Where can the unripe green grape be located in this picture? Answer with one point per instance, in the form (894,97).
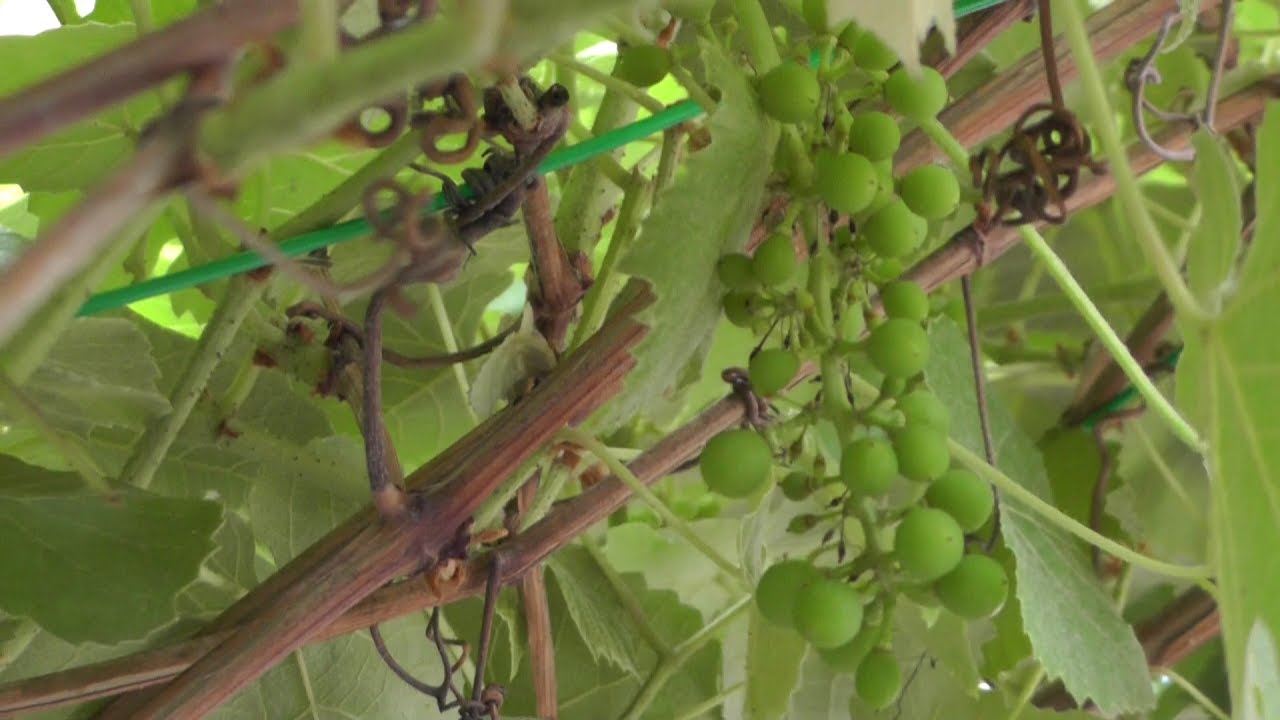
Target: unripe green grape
(874,135)
(775,260)
(642,65)
(976,588)
(898,348)
(922,452)
(778,587)
(917,98)
(886,270)
(796,486)
(708,506)
(847,657)
(878,679)
(684,507)
(644,515)
(801,524)
(771,369)
(739,308)
(847,182)
(828,613)
(921,407)
(892,231)
(931,191)
(928,544)
(734,270)
(905,299)
(964,496)
(868,466)
(870,53)
(736,463)
(790,92)
(815,14)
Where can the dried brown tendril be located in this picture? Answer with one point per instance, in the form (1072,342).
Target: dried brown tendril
(1030,177)
(460,115)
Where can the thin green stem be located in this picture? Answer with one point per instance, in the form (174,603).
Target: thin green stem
(140,469)
(1199,697)
(1110,340)
(1102,119)
(711,703)
(1024,697)
(24,409)
(65,12)
(697,93)
(318,41)
(608,281)
(616,84)
(638,488)
(143,17)
(955,152)
(671,663)
(435,299)
(1013,491)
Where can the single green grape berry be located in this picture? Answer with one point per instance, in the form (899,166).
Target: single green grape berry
(644,515)
(870,53)
(852,323)
(922,407)
(874,135)
(928,544)
(775,260)
(771,369)
(846,182)
(847,657)
(790,92)
(975,589)
(828,613)
(868,466)
(736,463)
(898,347)
(739,307)
(684,507)
(964,496)
(734,270)
(778,587)
(886,270)
(878,679)
(815,14)
(796,486)
(922,452)
(891,231)
(905,299)
(931,191)
(642,65)
(917,98)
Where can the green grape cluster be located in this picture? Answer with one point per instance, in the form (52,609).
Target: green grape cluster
(826,288)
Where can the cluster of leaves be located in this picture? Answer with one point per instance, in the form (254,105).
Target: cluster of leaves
(97,521)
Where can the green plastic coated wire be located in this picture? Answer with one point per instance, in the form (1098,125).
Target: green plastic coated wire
(309,242)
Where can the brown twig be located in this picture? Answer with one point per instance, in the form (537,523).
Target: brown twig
(207,37)
(977,32)
(982,114)
(537,614)
(364,554)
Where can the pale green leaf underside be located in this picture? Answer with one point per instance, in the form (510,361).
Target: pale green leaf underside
(1070,620)
(774,661)
(707,211)
(130,551)
(1261,694)
(1227,384)
(595,608)
(900,25)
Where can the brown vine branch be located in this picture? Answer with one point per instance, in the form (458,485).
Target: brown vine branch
(980,115)
(363,554)
(205,38)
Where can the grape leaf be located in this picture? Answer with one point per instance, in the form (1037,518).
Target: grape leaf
(1070,620)
(1261,693)
(596,609)
(901,25)
(1215,240)
(821,692)
(666,562)
(227,574)
(130,551)
(707,211)
(76,157)
(774,661)
(1225,386)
